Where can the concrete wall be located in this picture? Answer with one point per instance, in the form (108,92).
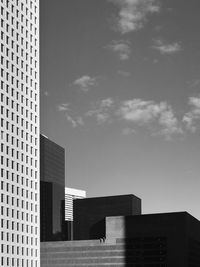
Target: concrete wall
(171,227)
(95,253)
(170,239)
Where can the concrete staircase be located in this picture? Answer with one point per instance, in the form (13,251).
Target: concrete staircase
(94,253)
(81,254)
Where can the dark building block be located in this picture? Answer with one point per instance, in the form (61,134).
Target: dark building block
(90,213)
(52,171)
(153,240)
(52,162)
(166,239)
(46,215)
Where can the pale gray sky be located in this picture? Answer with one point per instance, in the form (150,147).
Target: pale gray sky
(120,90)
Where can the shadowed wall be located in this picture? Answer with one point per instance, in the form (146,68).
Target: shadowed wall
(90,213)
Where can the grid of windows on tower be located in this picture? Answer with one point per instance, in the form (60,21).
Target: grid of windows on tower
(19,133)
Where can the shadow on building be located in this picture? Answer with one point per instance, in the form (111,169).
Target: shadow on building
(90,213)
(46,207)
(105,239)
(157,240)
(52,188)
(49,201)
(70,195)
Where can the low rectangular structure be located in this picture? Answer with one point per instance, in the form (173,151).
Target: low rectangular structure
(90,213)
(168,239)
(70,195)
(156,240)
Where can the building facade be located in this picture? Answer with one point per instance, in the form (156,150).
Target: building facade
(151,240)
(46,214)
(70,195)
(90,213)
(19,137)
(52,183)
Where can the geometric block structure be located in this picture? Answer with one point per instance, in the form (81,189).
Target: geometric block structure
(70,195)
(19,134)
(90,213)
(52,183)
(157,240)
(166,239)
(46,214)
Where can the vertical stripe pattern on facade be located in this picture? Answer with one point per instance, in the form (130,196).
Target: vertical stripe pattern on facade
(70,195)
(19,136)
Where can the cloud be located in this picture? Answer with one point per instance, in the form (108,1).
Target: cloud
(190,118)
(194,83)
(158,118)
(128,131)
(124,73)
(46,93)
(74,121)
(169,123)
(166,48)
(101,110)
(106,103)
(138,110)
(133,13)
(85,82)
(121,48)
(63,107)
(141,112)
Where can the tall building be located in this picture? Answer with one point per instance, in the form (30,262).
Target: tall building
(70,195)
(19,137)
(52,183)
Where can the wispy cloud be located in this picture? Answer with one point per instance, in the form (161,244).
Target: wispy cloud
(46,93)
(133,13)
(169,123)
(85,82)
(74,121)
(101,110)
(141,112)
(63,107)
(166,48)
(124,73)
(194,83)
(121,48)
(128,131)
(193,116)
(158,118)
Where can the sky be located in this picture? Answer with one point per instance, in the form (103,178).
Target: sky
(120,91)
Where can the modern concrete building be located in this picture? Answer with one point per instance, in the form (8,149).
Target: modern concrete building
(166,239)
(46,214)
(70,195)
(153,240)
(52,161)
(90,213)
(19,136)
(52,180)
